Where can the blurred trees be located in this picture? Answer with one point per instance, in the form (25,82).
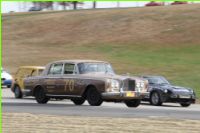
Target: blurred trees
(43,5)
(94,4)
(64,4)
(49,4)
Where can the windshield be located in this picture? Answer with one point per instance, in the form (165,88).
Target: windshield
(157,80)
(94,68)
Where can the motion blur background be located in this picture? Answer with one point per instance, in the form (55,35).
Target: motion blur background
(25,6)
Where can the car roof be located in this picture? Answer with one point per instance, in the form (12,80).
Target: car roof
(32,67)
(79,61)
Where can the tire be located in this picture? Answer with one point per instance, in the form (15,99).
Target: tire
(155,99)
(185,104)
(40,96)
(133,103)
(78,101)
(94,97)
(8,86)
(17,92)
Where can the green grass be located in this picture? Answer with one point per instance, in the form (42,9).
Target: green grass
(154,41)
(179,64)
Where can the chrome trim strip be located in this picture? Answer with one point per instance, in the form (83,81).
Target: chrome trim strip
(26,90)
(123,93)
(62,95)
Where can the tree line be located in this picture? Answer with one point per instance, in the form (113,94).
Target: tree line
(64,4)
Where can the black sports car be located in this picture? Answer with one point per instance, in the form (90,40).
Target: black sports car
(162,91)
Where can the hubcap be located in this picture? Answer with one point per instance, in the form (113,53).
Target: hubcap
(155,98)
(40,95)
(93,96)
(17,91)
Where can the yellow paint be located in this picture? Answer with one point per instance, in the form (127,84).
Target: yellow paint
(69,84)
(25,71)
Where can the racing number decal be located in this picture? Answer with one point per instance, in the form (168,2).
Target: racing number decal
(69,84)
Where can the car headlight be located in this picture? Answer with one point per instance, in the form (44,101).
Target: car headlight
(113,85)
(165,90)
(192,91)
(140,86)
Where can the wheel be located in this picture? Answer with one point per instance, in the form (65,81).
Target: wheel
(78,101)
(94,97)
(17,92)
(155,99)
(133,103)
(40,96)
(8,86)
(185,104)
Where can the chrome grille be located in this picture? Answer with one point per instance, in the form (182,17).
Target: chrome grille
(129,85)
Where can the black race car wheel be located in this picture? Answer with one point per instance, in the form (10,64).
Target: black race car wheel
(17,92)
(185,104)
(78,101)
(155,99)
(133,103)
(8,86)
(94,97)
(40,96)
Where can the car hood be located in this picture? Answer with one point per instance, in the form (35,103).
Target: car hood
(111,76)
(172,88)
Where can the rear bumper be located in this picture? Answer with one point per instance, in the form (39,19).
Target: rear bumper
(6,82)
(124,95)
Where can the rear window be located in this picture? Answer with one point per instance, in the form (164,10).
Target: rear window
(69,68)
(23,72)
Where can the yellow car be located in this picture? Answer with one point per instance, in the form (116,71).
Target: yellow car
(24,71)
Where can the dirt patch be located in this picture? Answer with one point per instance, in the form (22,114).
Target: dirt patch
(24,122)
(198,101)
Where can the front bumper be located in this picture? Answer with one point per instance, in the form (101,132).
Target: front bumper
(178,98)
(124,95)
(181,100)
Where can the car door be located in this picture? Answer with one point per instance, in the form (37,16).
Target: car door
(53,80)
(70,79)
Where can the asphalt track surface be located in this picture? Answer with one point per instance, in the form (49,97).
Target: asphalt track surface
(67,108)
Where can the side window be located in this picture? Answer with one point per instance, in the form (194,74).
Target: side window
(56,69)
(22,73)
(33,73)
(69,68)
(40,71)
